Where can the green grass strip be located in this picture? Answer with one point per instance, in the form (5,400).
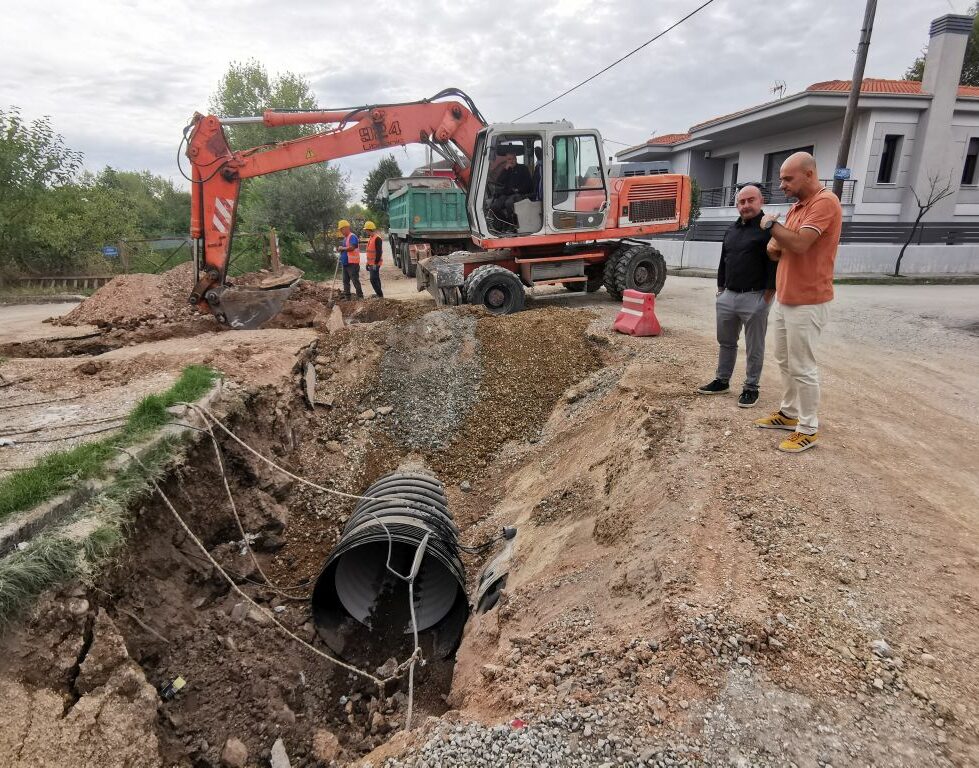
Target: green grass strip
(56,472)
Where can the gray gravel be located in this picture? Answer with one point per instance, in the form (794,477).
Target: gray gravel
(431,373)
(563,741)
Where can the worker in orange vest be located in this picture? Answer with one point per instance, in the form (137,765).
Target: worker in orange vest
(350,260)
(374,251)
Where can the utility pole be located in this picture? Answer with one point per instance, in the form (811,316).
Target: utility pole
(851,105)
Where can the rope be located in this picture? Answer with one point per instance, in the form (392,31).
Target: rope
(52,427)
(410,578)
(67,437)
(333,660)
(217,422)
(40,402)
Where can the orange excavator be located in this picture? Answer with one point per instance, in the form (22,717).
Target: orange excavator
(542,208)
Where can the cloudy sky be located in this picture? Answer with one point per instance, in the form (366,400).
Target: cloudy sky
(119,79)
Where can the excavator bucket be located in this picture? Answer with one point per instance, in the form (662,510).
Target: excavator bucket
(245,309)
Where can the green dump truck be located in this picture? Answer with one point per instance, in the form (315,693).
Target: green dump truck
(427,216)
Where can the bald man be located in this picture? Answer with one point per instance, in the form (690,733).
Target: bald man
(805,249)
(745,287)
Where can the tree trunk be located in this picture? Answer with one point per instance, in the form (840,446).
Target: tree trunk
(900,256)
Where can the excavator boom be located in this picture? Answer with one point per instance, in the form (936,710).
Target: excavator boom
(450,127)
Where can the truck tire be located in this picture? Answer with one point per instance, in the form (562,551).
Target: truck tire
(496,288)
(608,275)
(394,251)
(640,268)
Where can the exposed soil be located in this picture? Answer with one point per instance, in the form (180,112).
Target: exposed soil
(678,592)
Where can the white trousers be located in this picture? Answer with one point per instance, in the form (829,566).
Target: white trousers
(797,330)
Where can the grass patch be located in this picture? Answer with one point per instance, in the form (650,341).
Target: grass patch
(60,555)
(55,472)
(25,574)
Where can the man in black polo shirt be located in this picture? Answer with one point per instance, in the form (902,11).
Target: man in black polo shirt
(745,287)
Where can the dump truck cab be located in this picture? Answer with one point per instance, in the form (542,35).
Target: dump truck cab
(533,180)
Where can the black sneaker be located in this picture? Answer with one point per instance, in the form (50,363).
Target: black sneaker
(714,388)
(748,399)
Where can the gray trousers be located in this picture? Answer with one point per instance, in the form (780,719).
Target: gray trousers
(735,310)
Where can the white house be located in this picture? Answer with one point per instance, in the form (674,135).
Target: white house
(906,134)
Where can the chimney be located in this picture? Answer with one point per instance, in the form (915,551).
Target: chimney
(938,151)
(946,51)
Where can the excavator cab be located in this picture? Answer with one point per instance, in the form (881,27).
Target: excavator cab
(537,179)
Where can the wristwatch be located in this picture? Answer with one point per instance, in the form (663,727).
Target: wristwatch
(771,224)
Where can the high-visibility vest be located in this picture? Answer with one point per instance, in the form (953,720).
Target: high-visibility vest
(372,258)
(353,257)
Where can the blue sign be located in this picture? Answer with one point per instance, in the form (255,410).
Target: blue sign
(841,174)
(110,252)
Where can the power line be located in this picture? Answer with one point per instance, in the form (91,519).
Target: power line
(616,62)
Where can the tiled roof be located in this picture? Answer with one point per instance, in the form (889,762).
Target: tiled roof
(880,85)
(669,138)
(869,85)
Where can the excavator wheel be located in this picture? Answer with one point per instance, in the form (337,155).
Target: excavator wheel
(496,288)
(608,275)
(639,267)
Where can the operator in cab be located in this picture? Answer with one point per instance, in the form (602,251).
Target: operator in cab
(513,184)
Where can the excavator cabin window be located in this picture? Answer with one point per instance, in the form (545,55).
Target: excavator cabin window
(577,183)
(514,185)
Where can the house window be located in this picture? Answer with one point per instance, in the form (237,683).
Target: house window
(774,160)
(889,159)
(969,169)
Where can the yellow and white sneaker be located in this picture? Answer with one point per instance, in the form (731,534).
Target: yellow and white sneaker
(777,421)
(798,442)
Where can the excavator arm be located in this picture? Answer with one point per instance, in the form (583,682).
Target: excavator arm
(450,127)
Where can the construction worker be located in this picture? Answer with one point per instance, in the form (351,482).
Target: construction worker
(374,252)
(350,260)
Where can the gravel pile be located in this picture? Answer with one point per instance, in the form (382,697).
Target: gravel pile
(431,373)
(561,741)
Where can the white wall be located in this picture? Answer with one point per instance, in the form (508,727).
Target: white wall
(825,138)
(851,258)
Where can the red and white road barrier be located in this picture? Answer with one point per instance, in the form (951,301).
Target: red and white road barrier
(637,316)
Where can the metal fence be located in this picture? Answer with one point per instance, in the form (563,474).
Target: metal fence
(885,233)
(723,197)
(249,252)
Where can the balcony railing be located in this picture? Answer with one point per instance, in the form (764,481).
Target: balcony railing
(723,197)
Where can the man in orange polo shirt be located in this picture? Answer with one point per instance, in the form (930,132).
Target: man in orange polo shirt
(805,249)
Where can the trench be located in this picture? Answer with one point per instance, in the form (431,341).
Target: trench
(441,392)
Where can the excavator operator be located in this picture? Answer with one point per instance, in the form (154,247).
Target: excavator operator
(513,184)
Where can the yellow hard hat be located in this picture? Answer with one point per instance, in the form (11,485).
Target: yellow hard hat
(370,225)
(342,223)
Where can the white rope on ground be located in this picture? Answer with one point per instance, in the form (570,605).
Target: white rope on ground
(200,545)
(30,441)
(210,418)
(39,402)
(53,427)
(205,412)
(234,510)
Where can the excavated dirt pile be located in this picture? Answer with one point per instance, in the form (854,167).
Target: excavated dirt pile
(160,301)
(128,300)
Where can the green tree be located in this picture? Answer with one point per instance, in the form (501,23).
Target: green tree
(71,223)
(304,203)
(387,168)
(33,161)
(161,209)
(246,89)
(970,66)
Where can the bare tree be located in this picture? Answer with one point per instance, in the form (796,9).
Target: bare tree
(935,194)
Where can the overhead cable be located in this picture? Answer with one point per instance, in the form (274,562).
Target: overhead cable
(616,62)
